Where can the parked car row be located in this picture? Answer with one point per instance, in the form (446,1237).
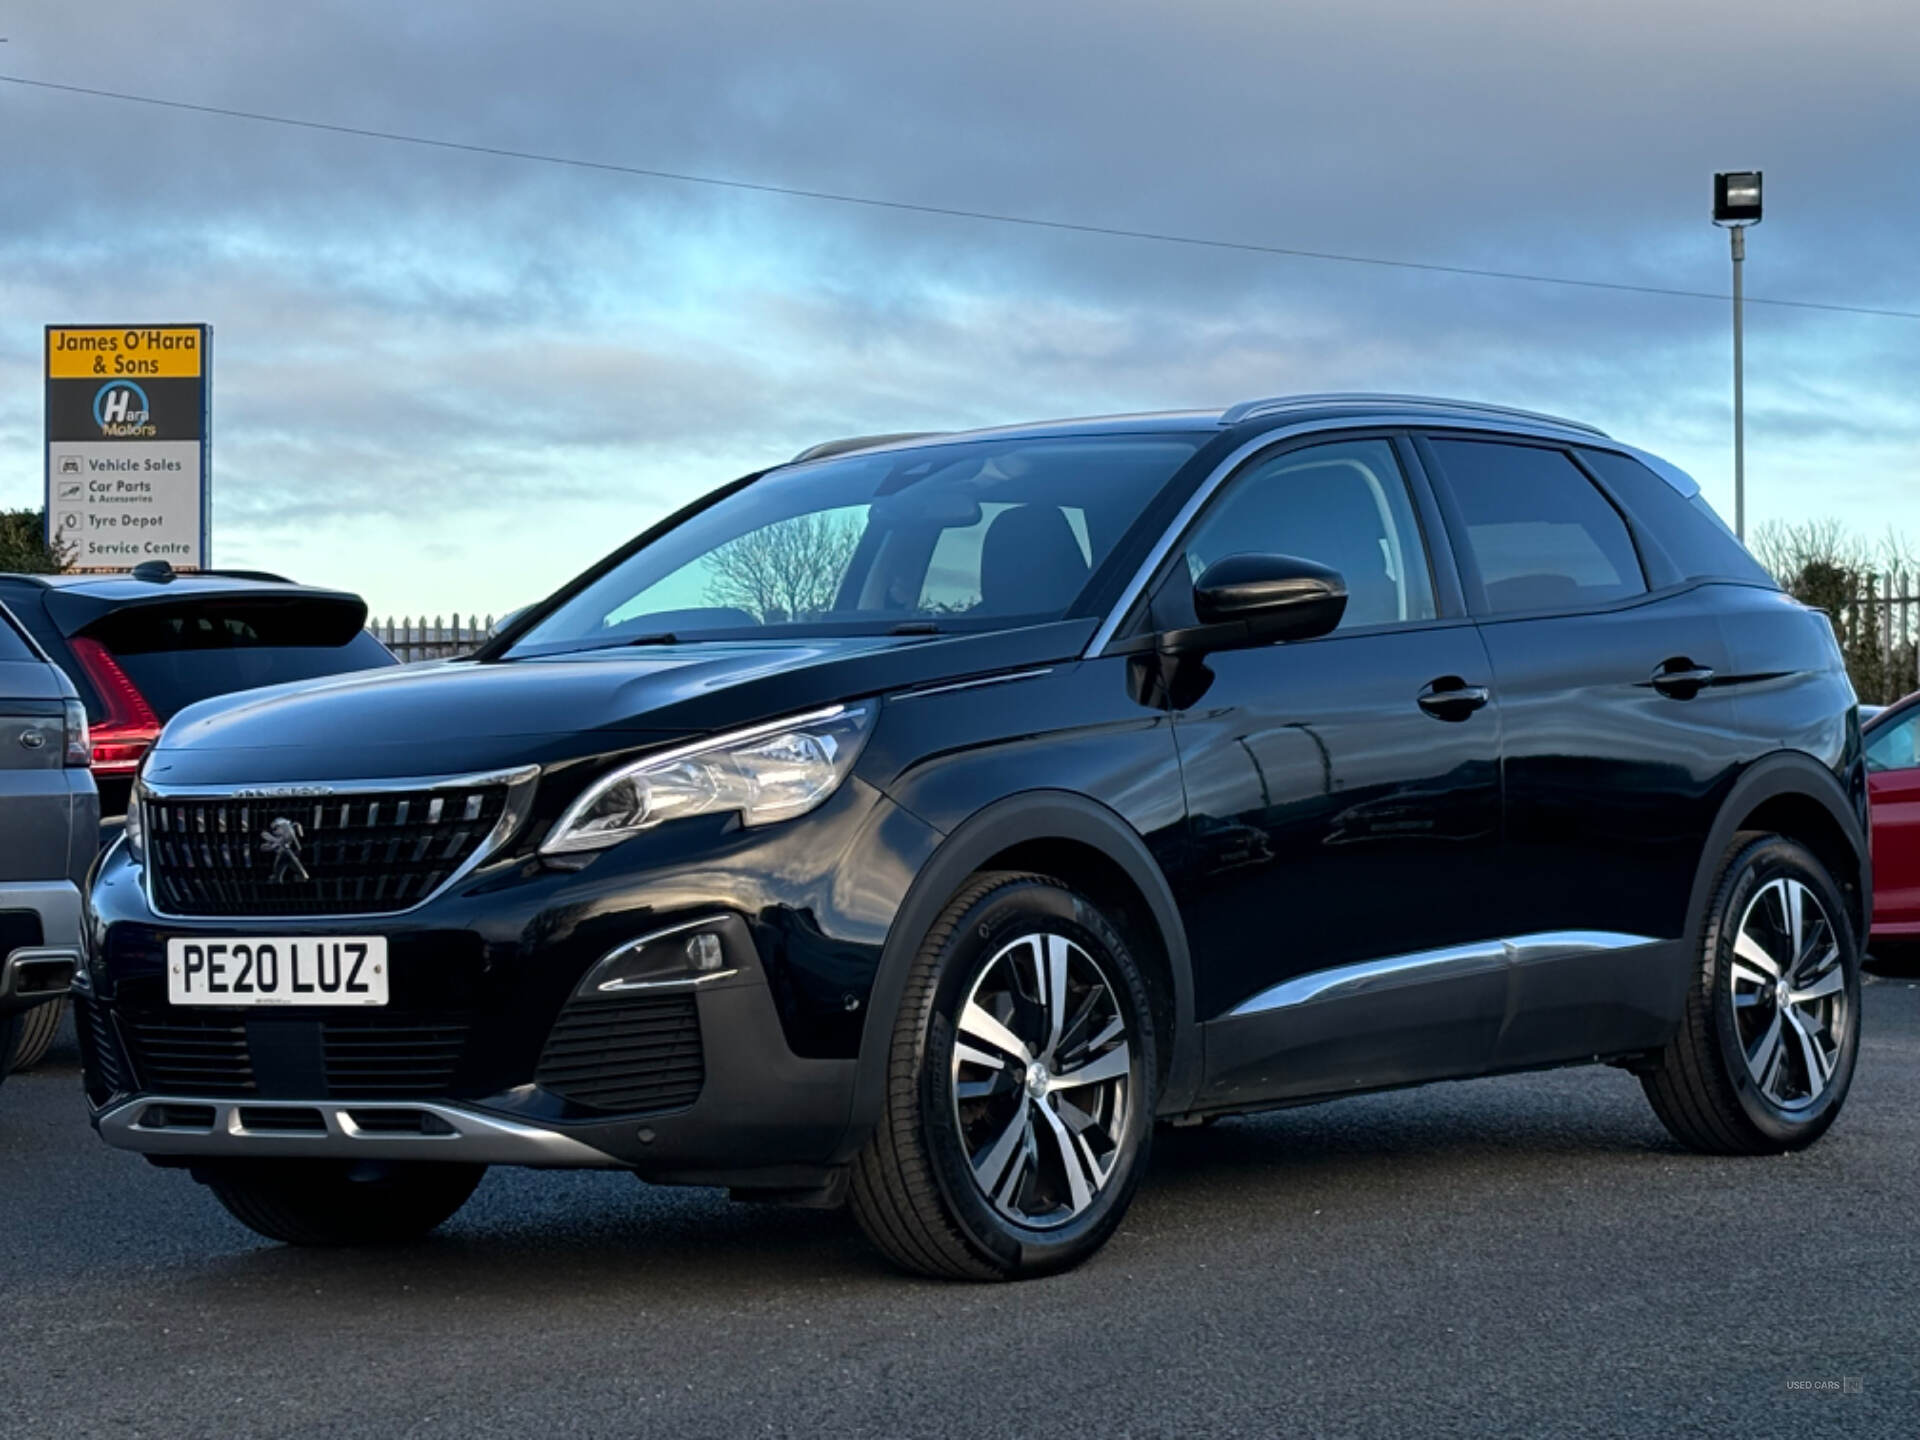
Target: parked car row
(132,651)
(1047,782)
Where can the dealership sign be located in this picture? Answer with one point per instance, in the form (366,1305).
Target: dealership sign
(127,444)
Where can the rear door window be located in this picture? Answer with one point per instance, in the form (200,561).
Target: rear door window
(1539,532)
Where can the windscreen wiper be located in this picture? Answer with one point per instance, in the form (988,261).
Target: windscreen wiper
(661,637)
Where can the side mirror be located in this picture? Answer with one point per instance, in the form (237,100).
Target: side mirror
(1245,600)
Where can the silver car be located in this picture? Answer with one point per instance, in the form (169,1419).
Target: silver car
(49,831)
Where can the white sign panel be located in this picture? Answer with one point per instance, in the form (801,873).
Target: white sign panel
(119,502)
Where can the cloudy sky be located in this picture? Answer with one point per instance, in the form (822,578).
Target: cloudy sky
(451,380)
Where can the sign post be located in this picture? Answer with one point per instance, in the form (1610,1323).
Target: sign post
(127,423)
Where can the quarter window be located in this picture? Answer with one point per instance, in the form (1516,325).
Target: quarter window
(1542,537)
(1343,505)
(1892,746)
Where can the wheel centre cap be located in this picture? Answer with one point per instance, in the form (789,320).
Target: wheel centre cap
(1039,1079)
(1782,993)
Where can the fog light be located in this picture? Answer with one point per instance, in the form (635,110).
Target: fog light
(703,951)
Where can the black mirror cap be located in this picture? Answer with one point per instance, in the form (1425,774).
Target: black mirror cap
(1252,599)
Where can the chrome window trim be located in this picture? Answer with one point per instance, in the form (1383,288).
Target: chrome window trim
(1565,434)
(1462,959)
(520,782)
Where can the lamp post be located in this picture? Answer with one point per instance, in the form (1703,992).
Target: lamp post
(1736,205)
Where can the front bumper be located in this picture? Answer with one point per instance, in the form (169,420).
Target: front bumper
(210,1130)
(502,1043)
(46,915)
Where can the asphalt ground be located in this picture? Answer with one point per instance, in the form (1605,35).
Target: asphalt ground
(1524,1255)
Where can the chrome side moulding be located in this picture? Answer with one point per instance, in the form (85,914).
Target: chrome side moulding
(1343,981)
(144,1125)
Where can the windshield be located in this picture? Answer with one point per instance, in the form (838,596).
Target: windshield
(974,535)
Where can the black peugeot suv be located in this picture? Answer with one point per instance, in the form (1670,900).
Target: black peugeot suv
(917,823)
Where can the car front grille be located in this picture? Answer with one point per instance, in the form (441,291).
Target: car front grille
(631,1053)
(341,1057)
(361,854)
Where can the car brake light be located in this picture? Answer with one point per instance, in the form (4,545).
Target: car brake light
(124,734)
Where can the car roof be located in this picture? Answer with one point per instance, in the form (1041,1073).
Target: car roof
(1273,411)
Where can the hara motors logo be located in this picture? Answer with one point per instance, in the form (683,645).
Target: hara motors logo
(121,411)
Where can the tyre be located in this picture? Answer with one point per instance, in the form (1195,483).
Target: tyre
(1020,1086)
(1765,1054)
(37,1028)
(336,1202)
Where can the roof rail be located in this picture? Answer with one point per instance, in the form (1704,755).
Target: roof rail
(1280,404)
(857,442)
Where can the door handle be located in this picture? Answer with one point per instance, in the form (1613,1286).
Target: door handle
(1681,679)
(1451,698)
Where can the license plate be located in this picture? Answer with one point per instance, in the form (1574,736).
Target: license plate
(277,970)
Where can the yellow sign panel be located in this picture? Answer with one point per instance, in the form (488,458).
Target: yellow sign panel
(87,352)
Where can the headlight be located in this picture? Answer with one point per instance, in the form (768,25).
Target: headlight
(771,772)
(136,831)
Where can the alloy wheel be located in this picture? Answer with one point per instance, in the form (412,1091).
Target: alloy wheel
(1789,993)
(1042,1074)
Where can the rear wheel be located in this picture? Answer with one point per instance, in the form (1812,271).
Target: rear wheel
(1019,1104)
(1765,1055)
(334,1202)
(37,1028)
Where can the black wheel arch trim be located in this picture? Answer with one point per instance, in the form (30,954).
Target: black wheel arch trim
(1015,820)
(1783,773)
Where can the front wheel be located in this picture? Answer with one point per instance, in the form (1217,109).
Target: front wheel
(335,1202)
(1020,1089)
(1765,1054)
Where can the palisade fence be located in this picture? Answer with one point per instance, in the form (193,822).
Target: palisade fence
(434,639)
(1877,632)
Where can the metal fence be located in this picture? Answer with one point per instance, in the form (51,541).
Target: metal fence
(434,639)
(1878,632)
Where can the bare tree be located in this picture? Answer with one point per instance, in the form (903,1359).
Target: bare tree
(1823,564)
(789,570)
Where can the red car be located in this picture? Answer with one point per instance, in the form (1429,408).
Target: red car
(1893,787)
